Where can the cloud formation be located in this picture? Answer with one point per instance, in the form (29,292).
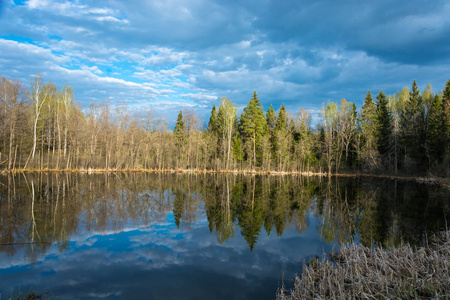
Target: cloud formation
(162,261)
(191,53)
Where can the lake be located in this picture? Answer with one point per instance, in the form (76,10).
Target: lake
(195,236)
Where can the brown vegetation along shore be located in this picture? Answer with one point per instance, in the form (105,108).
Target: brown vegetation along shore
(356,272)
(189,171)
(442,182)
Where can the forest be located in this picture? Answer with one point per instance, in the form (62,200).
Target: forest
(407,133)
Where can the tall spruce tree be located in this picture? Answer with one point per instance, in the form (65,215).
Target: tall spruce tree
(180,131)
(282,119)
(384,126)
(446,116)
(271,119)
(413,129)
(446,125)
(368,151)
(212,125)
(253,128)
(353,144)
(180,138)
(435,138)
(281,138)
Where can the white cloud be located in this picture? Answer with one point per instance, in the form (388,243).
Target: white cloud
(111,19)
(67,8)
(16,50)
(36,4)
(93,69)
(164,56)
(200,97)
(245,44)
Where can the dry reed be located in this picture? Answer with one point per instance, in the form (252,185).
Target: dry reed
(358,272)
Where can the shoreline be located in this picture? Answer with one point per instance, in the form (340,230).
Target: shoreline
(356,271)
(178,171)
(440,181)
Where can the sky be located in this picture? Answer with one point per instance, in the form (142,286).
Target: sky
(170,55)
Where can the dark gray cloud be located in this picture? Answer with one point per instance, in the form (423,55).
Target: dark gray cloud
(414,32)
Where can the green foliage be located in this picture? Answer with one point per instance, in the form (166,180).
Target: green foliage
(368,118)
(281,139)
(253,128)
(271,119)
(383,125)
(180,130)
(427,97)
(282,119)
(238,151)
(435,139)
(413,130)
(213,123)
(446,116)
(250,217)
(368,128)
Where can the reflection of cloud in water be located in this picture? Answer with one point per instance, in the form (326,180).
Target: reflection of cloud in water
(167,262)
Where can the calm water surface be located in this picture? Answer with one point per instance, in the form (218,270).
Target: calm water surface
(156,236)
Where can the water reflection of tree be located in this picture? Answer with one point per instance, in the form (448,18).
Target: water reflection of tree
(225,228)
(10,221)
(186,201)
(249,210)
(381,211)
(336,211)
(258,201)
(37,210)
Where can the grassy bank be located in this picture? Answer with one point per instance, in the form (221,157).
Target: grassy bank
(358,272)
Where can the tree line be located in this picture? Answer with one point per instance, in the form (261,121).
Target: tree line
(43,127)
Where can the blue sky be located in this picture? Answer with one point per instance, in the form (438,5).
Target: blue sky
(169,55)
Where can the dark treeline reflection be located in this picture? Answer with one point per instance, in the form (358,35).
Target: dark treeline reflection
(39,210)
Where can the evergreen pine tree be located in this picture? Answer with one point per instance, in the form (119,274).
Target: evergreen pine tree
(446,116)
(435,139)
(253,128)
(368,126)
(415,99)
(212,125)
(180,131)
(352,154)
(271,119)
(220,121)
(282,119)
(280,141)
(383,125)
(413,133)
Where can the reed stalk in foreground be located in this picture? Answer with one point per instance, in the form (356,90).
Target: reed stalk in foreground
(358,272)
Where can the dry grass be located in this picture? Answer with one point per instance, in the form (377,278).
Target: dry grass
(178,171)
(358,272)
